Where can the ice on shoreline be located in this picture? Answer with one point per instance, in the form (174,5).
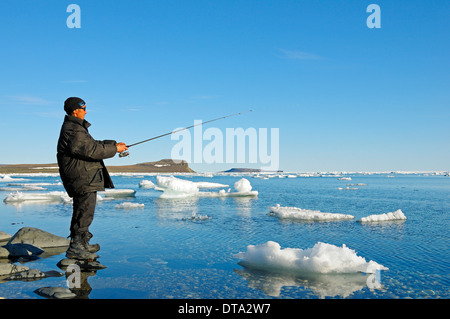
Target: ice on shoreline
(8,178)
(173,187)
(322,258)
(305,214)
(392,216)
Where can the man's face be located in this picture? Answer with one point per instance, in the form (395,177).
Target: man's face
(80,113)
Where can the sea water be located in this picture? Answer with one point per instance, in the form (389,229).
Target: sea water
(240,235)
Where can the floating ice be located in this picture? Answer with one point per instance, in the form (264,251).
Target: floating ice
(128,205)
(36,197)
(322,258)
(8,178)
(118,192)
(23,188)
(33,184)
(397,215)
(173,187)
(146,184)
(197,217)
(243,185)
(305,214)
(209,185)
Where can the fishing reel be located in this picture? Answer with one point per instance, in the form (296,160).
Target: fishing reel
(124,154)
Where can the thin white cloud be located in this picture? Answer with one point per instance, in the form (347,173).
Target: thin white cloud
(299,55)
(134,108)
(29,100)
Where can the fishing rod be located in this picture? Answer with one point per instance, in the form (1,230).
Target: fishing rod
(124,154)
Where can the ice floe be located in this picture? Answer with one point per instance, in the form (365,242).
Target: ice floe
(146,184)
(243,185)
(323,258)
(48,197)
(209,185)
(305,214)
(128,205)
(173,187)
(197,217)
(55,196)
(392,216)
(118,192)
(8,178)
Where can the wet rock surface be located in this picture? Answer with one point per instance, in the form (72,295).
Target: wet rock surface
(32,244)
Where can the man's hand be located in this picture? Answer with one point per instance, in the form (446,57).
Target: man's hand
(121,147)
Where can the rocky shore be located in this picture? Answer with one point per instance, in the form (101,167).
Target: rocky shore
(30,243)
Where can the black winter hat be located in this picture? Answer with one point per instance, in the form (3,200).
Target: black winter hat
(72,103)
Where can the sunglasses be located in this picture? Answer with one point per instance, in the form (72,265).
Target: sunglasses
(82,105)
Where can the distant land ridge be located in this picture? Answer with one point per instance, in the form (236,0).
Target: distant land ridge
(162,166)
(249,170)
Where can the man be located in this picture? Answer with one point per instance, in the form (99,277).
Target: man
(83,173)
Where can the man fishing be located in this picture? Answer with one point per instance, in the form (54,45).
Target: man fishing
(83,173)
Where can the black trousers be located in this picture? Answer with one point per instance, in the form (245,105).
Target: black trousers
(83,213)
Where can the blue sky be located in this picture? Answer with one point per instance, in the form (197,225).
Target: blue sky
(344,97)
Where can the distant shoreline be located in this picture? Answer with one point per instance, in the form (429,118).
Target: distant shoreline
(162,166)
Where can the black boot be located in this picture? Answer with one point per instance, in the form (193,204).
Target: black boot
(77,249)
(91,248)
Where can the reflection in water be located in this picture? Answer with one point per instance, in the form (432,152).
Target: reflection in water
(244,205)
(176,208)
(78,283)
(77,274)
(322,285)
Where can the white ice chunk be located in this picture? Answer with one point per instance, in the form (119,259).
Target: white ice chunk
(8,178)
(243,185)
(209,185)
(146,184)
(35,197)
(118,192)
(173,187)
(128,205)
(397,215)
(305,214)
(322,258)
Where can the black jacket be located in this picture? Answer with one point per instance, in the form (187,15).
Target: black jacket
(80,158)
